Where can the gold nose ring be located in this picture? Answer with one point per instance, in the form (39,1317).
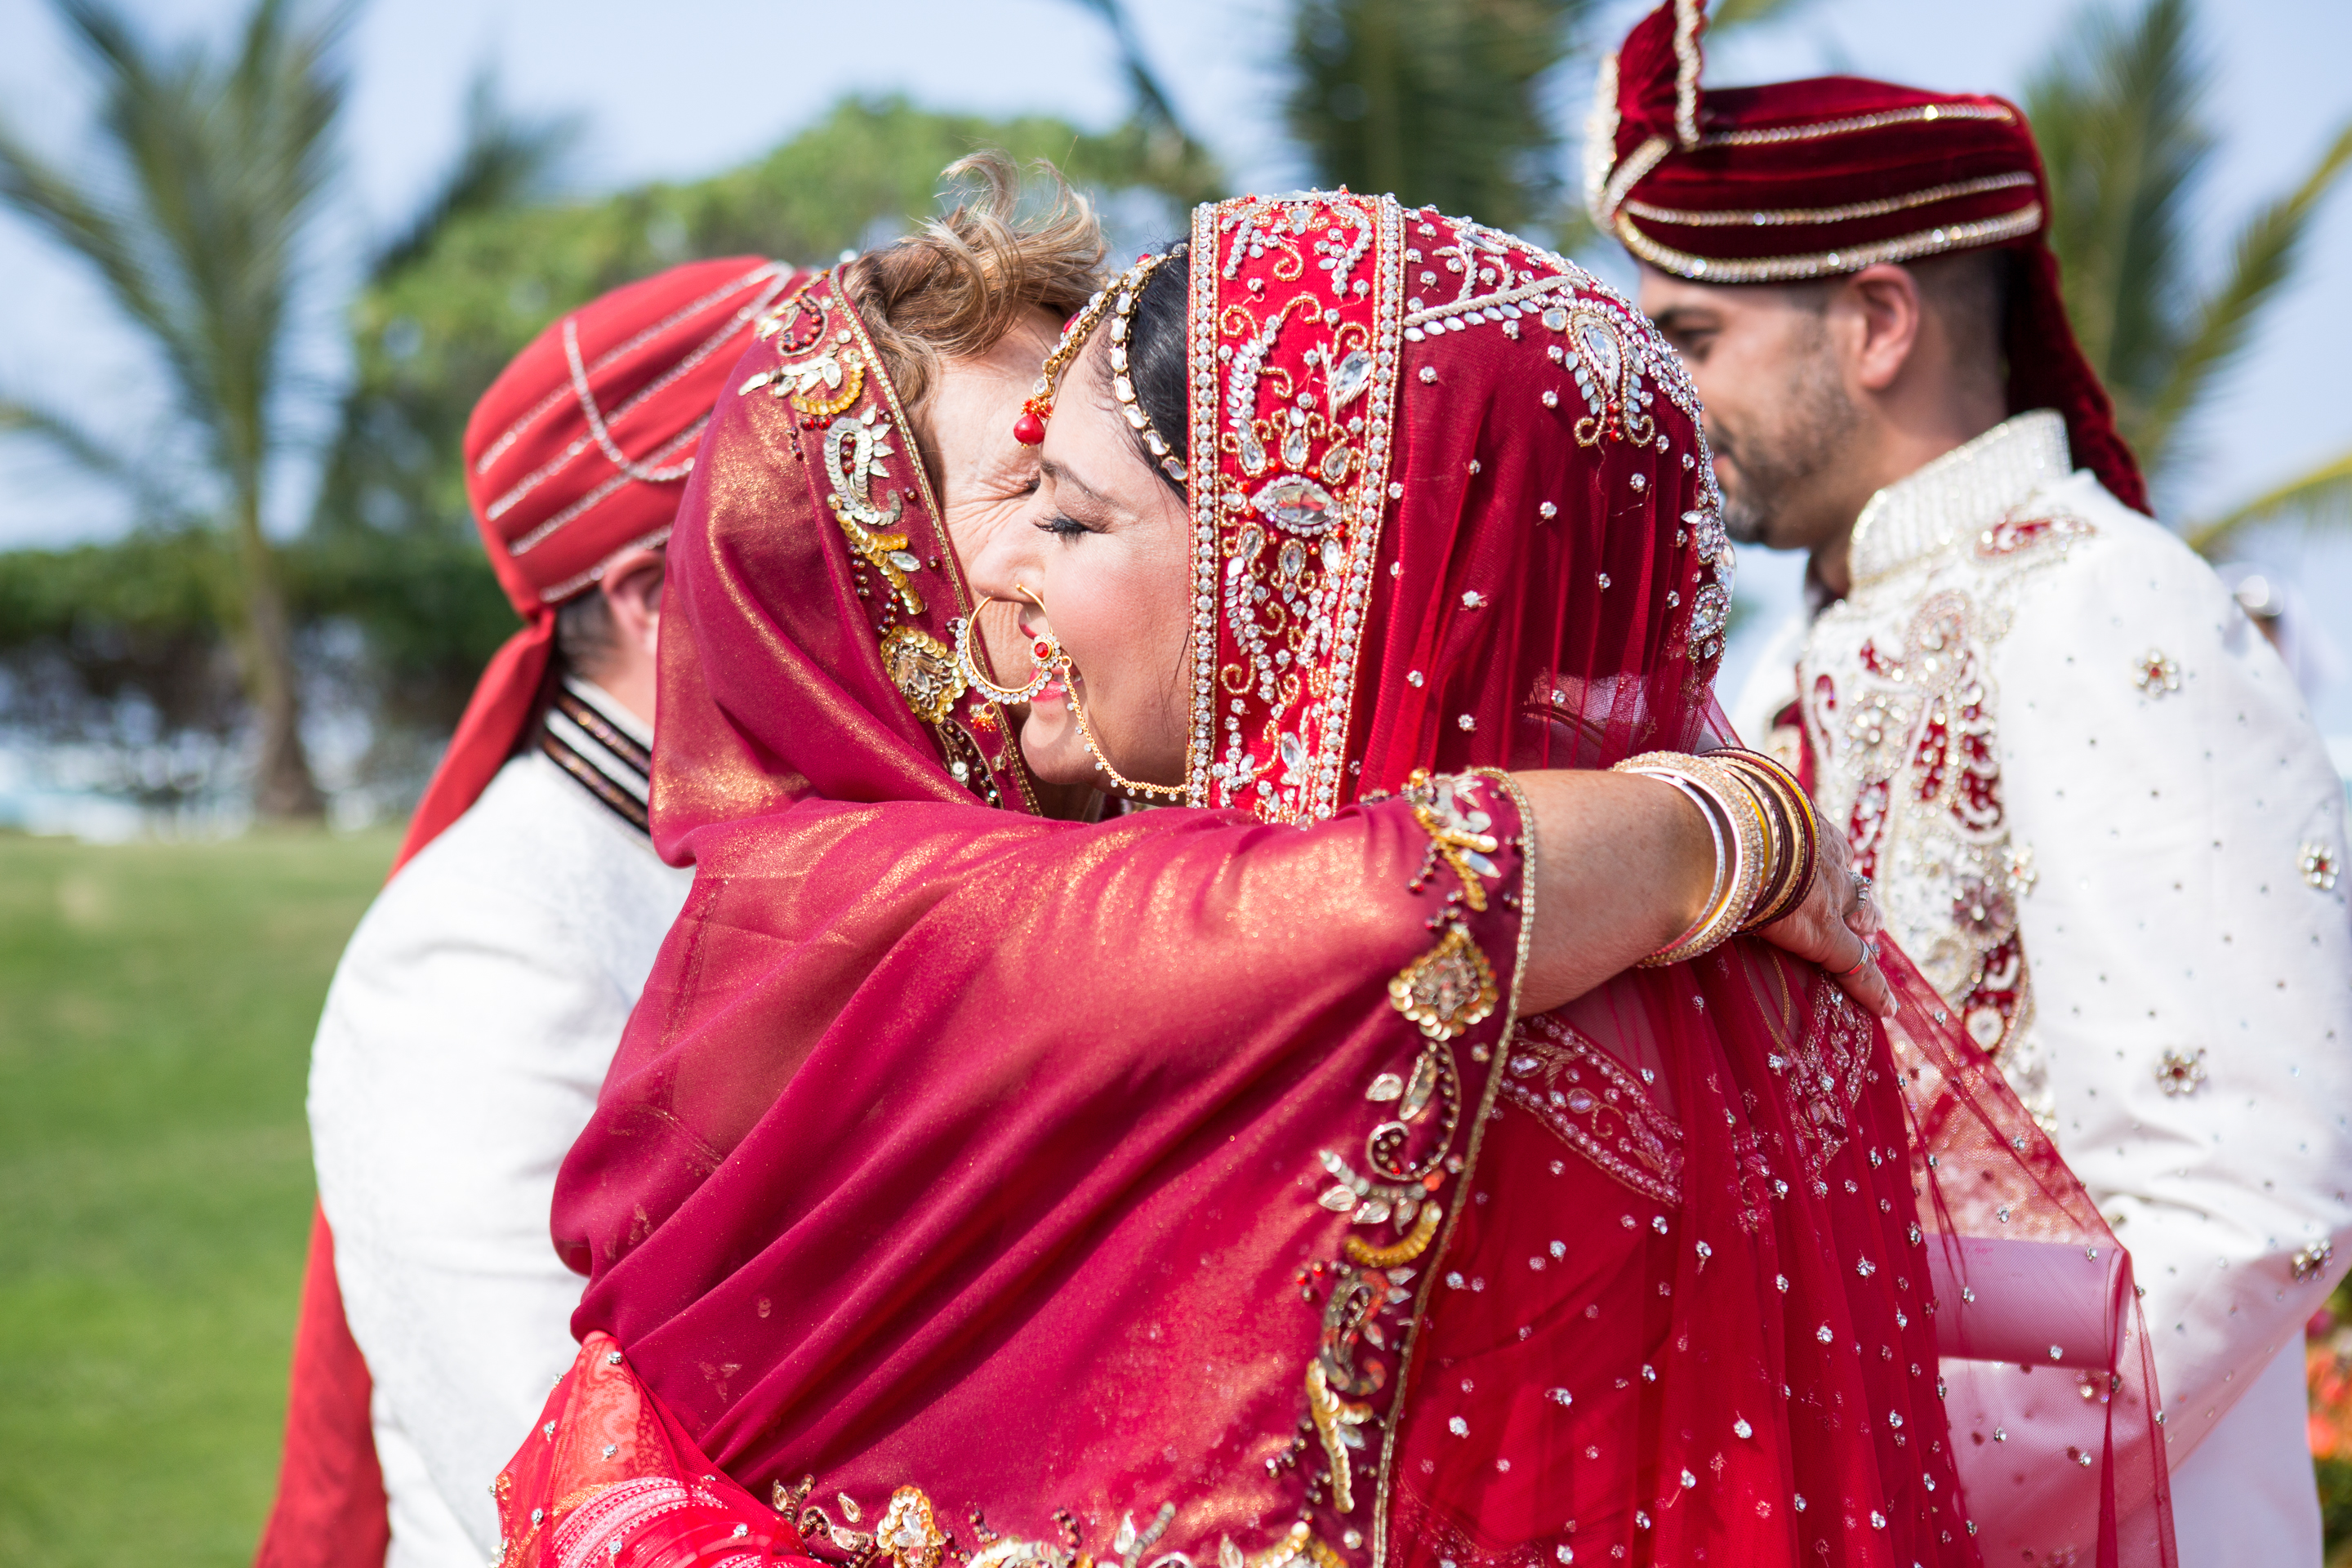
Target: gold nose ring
(1043,648)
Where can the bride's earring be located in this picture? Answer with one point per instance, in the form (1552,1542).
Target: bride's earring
(1043,648)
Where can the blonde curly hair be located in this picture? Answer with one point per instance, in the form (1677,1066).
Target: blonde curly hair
(955,286)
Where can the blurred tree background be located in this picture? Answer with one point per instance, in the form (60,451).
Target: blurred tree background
(193,203)
(129,650)
(141,649)
(2121,113)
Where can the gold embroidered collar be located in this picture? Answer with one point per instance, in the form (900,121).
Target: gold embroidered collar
(1960,493)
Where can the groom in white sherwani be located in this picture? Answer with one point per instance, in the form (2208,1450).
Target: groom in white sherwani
(2098,814)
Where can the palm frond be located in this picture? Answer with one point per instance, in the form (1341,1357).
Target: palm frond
(65,438)
(83,221)
(2261,263)
(196,207)
(2118,114)
(91,456)
(1152,103)
(225,167)
(1181,163)
(1728,15)
(1439,101)
(2321,498)
(503,160)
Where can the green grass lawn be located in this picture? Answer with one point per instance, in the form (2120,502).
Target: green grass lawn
(156,1005)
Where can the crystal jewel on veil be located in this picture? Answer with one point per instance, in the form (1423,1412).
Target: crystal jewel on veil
(1348,379)
(1298,504)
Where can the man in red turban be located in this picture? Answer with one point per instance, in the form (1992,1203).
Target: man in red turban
(473,1016)
(2099,816)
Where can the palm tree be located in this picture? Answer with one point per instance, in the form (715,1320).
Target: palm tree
(1447,101)
(1436,100)
(197,219)
(1154,143)
(2119,115)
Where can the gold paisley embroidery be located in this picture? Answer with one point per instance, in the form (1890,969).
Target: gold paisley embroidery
(1447,989)
(923,671)
(851,454)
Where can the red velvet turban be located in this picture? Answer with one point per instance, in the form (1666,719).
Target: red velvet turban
(577,452)
(1810,179)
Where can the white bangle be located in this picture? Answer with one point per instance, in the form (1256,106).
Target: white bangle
(1714,905)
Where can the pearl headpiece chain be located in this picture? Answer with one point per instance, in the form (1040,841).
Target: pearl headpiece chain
(1118,300)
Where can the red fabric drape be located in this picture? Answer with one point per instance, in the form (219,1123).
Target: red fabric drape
(962,1158)
(330,1509)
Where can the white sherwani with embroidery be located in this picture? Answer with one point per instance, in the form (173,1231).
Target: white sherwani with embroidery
(2101,821)
(465,1039)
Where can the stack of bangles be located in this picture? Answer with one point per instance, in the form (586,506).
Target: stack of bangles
(1767,840)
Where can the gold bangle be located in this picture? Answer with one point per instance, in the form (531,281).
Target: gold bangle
(1803,823)
(1772,899)
(1764,850)
(1744,819)
(1715,831)
(1781,867)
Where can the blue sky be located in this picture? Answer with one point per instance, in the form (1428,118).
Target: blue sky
(689,87)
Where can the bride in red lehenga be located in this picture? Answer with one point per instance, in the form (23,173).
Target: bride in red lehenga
(1308,1177)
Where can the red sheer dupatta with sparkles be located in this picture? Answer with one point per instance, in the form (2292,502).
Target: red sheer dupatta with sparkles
(1183,1185)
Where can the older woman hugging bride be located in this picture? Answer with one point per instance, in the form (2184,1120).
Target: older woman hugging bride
(1393,1154)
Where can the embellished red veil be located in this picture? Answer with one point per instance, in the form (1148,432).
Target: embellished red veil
(1186,1188)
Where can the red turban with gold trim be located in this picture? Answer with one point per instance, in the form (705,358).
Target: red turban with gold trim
(578,452)
(1810,179)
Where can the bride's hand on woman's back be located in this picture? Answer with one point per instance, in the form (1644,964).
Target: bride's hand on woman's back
(1835,927)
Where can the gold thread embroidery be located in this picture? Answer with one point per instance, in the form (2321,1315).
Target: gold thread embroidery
(1767,135)
(1365,1255)
(1308,527)
(843,374)
(1686,69)
(1744,218)
(1336,1420)
(1447,989)
(1629,173)
(910,1532)
(1384,1489)
(1459,839)
(852,452)
(1787,269)
(923,671)
(966,761)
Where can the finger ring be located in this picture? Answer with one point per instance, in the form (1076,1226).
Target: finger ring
(1856,967)
(1860,885)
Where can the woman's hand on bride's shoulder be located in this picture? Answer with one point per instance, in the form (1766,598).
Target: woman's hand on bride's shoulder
(1836,927)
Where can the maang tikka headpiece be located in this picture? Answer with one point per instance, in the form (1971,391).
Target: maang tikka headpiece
(1119,300)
